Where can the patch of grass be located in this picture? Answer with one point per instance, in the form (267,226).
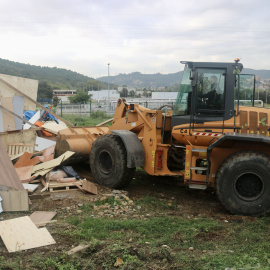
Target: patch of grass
(215,244)
(86,120)
(158,230)
(152,202)
(62,262)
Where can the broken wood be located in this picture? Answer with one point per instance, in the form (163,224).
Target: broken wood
(41,218)
(53,186)
(77,249)
(89,187)
(24,173)
(14,200)
(22,234)
(9,177)
(49,165)
(30,187)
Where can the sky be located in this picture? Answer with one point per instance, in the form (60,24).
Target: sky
(147,36)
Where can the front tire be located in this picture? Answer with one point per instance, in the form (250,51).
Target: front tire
(243,183)
(108,162)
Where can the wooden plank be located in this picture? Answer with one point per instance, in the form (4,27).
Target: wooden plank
(26,160)
(63,189)
(41,218)
(33,101)
(1,120)
(30,187)
(22,234)
(19,136)
(24,173)
(54,186)
(52,163)
(105,122)
(53,127)
(9,177)
(89,187)
(77,249)
(15,200)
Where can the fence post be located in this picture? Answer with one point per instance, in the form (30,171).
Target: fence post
(80,114)
(90,105)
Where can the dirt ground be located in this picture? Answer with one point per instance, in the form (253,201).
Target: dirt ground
(188,204)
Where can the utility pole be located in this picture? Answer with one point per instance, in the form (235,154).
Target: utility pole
(108,86)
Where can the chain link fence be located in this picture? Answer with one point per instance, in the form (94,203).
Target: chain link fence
(109,108)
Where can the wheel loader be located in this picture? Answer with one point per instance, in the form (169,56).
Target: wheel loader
(214,137)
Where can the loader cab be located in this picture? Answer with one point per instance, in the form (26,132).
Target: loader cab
(207,93)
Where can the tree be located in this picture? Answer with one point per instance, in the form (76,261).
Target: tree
(92,85)
(56,100)
(132,93)
(44,90)
(124,92)
(80,97)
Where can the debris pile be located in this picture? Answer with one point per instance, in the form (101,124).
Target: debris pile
(115,205)
(28,163)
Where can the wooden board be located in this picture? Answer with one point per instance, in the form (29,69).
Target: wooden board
(41,218)
(89,187)
(9,177)
(19,136)
(22,234)
(30,187)
(26,86)
(49,165)
(54,186)
(53,127)
(17,148)
(1,119)
(14,200)
(26,160)
(24,173)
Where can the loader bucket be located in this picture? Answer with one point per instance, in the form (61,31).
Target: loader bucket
(78,140)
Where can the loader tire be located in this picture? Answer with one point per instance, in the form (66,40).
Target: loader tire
(243,183)
(108,162)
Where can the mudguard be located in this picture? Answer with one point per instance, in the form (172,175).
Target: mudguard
(134,148)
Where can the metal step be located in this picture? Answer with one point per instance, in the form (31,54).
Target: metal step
(199,168)
(196,186)
(201,150)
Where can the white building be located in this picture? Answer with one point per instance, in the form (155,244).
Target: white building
(103,95)
(64,94)
(165,95)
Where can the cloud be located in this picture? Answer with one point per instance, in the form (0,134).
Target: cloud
(147,36)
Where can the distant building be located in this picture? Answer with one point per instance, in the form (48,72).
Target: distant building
(129,88)
(103,95)
(64,94)
(165,95)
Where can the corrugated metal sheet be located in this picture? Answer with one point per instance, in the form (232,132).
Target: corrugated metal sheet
(8,175)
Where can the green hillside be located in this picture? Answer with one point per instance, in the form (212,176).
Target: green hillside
(57,77)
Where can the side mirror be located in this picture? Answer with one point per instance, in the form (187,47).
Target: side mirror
(193,77)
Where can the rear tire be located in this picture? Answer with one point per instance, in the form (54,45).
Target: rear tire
(243,183)
(108,162)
